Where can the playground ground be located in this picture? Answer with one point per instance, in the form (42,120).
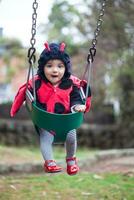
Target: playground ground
(104,175)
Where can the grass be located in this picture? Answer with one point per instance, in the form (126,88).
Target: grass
(61,186)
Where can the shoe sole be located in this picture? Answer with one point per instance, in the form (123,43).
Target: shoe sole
(53,171)
(72,174)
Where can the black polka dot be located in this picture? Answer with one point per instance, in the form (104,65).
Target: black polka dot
(59,108)
(41,105)
(65,84)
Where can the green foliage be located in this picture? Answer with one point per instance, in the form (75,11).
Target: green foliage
(14,43)
(126,84)
(12,49)
(64,21)
(122,86)
(118,40)
(12,46)
(117,29)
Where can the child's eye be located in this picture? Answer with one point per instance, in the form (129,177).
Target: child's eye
(61,66)
(48,65)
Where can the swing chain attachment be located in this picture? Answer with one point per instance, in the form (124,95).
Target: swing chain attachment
(92,50)
(31,51)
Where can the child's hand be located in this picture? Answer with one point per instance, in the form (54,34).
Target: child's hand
(80,108)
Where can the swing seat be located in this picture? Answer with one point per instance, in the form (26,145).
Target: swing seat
(60,124)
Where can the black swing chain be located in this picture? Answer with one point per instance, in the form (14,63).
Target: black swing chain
(32,50)
(92,50)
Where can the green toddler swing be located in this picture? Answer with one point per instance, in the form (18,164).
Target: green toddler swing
(60,124)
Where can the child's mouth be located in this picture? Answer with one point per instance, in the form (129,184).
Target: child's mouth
(54,76)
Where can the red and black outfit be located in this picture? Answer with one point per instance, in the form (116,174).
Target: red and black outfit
(53,99)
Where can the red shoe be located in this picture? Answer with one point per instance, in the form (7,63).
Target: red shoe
(72,169)
(51,169)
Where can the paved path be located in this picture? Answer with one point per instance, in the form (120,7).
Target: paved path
(115,165)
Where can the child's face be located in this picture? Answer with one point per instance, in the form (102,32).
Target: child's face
(54,71)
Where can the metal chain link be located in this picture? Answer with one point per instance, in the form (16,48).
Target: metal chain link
(92,50)
(32,50)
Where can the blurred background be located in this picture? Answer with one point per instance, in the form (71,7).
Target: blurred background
(110,124)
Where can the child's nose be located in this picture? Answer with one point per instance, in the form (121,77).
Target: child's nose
(55,68)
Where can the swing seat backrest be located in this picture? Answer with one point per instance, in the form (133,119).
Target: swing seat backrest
(59,124)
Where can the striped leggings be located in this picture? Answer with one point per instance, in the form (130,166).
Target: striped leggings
(46,141)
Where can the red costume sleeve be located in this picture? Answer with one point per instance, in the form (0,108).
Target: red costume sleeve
(20,97)
(18,100)
(88,104)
